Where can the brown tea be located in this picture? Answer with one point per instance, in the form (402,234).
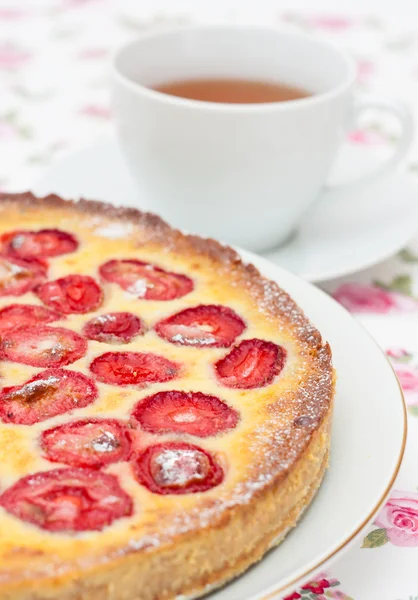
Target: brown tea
(232,91)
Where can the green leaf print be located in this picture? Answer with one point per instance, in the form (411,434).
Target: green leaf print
(375,539)
(401,284)
(413,167)
(408,256)
(404,359)
(413,410)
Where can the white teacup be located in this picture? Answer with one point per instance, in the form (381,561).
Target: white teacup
(244,173)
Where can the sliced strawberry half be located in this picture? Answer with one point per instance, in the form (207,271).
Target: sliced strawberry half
(184,412)
(146,281)
(177,468)
(114,328)
(48,394)
(133,368)
(42,346)
(204,325)
(45,243)
(251,364)
(17,315)
(90,443)
(68,500)
(17,277)
(73,294)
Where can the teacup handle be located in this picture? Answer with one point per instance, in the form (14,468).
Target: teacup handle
(404,115)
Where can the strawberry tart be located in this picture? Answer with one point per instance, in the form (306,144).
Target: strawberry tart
(165,411)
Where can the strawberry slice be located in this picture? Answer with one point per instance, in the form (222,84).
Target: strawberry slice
(177,468)
(114,328)
(17,315)
(48,394)
(45,243)
(68,500)
(42,346)
(252,364)
(204,325)
(73,294)
(146,281)
(184,412)
(133,368)
(17,277)
(90,443)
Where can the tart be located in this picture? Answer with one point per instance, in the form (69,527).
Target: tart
(165,411)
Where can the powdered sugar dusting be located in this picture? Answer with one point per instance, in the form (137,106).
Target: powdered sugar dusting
(115,230)
(104,319)
(185,416)
(139,288)
(9,270)
(17,241)
(107,442)
(29,390)
(193,341)
(178,467)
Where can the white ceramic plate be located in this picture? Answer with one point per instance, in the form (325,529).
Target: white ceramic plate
(343,232)
(369,434)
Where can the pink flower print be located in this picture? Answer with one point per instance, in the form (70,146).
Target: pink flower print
(11,57)
(398,354)
(76,3)
(317,587)
(362,298)
(10,13)
(93,53)
(400,518)
(7,131)
(365,68)
(334,23)
(93,110)
(365,137)
(323,584)
(408,378)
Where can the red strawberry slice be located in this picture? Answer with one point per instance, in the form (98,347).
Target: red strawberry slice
(74,294)
(42,346)
(90,443)
(38,244)
(204,325)
(68,500)
(184,412)
(133,368)
(146,281)
(252,364)
(114,328)
(48,394)
(17,315)
(177,468)
(17,277)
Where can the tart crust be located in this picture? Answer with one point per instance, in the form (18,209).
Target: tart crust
(274,459)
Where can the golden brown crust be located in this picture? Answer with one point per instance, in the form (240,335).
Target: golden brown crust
(288,446)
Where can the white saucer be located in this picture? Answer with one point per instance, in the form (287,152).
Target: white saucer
(344,231)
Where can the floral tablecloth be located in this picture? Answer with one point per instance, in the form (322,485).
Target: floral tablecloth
(54,61)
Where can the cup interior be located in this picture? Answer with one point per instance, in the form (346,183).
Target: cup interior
(256,53)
